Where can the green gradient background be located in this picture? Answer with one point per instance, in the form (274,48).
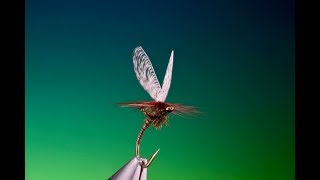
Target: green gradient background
(234,60)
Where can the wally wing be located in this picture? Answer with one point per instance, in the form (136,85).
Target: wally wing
(167,80)
(145,73)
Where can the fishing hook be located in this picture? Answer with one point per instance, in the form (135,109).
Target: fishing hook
(145,125)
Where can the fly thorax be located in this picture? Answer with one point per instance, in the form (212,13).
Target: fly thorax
(160,121)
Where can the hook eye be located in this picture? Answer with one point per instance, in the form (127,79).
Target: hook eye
(169,108)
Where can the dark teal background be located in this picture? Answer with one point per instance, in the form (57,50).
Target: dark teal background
(233,59)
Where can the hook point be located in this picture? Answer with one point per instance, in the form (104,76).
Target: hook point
(152,158)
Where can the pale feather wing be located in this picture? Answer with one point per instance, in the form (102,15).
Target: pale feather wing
(145,73)
(167,80)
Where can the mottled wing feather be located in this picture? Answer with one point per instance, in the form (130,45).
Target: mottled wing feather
(167,80)
(145,73)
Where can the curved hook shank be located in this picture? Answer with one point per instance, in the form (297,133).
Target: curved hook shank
(145,125)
